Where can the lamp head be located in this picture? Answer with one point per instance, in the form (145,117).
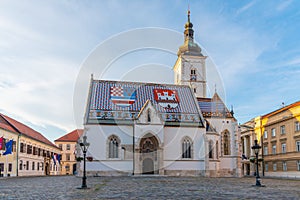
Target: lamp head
(255,147)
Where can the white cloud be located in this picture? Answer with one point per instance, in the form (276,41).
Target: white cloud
(42,45)
(245,7)
(284,4)
(294,61)
(40,91)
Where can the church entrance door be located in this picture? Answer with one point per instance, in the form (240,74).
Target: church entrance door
(149,154)
(148,166)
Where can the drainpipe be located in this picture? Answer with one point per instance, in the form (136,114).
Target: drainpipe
(133,146)
(18,148)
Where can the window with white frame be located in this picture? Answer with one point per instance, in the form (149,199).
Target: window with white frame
(284,167)
(67,167)
(273,132)
(265,150)
(274,166)
(265,134)
(282,129)
(298,165)
(297,126)
(274,149)
(283,148)
(266,167)
(298,146)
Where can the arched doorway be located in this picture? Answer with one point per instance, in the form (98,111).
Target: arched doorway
(149,154)
(74,169)
(148,166)
(47,170)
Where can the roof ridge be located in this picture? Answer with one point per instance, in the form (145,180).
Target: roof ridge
(69,136)
(140,83)
(42,137)
(281,109)
(11,125)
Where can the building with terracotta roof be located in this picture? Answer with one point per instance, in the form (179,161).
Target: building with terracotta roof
(278,133)
(164,129)
(31,151)
(67,145)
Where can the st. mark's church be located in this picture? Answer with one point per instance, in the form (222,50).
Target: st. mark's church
(165,129)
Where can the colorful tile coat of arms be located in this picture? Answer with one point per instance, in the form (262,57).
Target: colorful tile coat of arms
(123,96)
(166,98)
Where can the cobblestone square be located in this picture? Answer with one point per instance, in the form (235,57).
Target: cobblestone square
(146,187)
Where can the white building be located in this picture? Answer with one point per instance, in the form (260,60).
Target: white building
(146,128)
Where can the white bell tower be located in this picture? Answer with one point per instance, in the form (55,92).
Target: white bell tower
(189,68)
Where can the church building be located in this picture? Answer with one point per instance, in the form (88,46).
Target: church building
(166,129)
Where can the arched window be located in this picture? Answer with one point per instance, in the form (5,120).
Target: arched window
(186,148)
(113,147)
(193,76)
(226,143)
(148,115)
(217,149)
(210,149)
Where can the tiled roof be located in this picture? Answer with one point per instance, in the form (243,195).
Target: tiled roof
(5,125)
(104,106)
(213,107)
(71,137)
(282,109)
(17,127)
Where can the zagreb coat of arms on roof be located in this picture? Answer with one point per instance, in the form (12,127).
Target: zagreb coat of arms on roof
(166,98)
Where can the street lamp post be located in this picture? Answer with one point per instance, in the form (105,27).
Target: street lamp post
(84,145)
(256,148)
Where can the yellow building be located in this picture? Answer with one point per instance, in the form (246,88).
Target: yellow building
(67,145)
(278,133)
(31,152)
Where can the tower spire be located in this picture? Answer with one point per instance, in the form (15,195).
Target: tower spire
(189,32)
(189,46)
(189,13)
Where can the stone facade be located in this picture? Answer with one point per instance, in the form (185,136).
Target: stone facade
(278,133)
(31,151)
(162,129)
(68,144)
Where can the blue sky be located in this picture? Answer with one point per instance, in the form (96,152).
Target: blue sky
(254,45)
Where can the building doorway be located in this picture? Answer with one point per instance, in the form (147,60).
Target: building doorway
(149,154)
(47,169)
(74,169)
(148,166)
(247,169)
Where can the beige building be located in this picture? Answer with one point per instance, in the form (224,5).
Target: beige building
(279,135)
(31,151)
(67,145)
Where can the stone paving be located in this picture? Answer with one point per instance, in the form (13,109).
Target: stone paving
(146,187)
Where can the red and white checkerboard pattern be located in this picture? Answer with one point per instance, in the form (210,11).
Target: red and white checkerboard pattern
(116,91)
